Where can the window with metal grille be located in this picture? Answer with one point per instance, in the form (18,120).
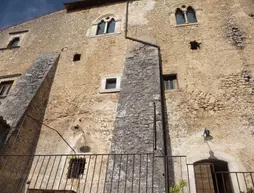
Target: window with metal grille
(5,87)
(76,167)
(170,81)
(111,83)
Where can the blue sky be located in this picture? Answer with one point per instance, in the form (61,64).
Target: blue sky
(16,11)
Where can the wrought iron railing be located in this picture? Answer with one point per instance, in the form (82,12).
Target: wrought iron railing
(241,181)
(94,173)
(114,173)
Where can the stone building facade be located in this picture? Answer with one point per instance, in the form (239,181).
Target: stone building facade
(135,77)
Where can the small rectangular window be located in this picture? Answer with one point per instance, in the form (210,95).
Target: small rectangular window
(111,83)
(76,167)
(5,87)
(170,82)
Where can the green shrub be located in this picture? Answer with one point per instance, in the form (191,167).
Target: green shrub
(176,188)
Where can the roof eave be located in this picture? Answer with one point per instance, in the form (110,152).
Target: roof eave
(84,4)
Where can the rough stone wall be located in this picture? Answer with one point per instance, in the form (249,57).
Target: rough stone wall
(248,6)
(28,98)
(215,81)
(75,98)
(135,113)
(138,115)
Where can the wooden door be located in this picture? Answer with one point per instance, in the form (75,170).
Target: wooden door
(204,178)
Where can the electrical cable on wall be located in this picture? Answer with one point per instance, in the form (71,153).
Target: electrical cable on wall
(53,130)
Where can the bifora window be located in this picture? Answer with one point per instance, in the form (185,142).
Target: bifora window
(107,25)
(5,87)
(185,16)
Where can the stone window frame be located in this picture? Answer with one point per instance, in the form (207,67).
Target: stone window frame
(13,35)
(107,18)
(175,81)
(9,78)
(184,10)
(104,82)
(7,82)
(16,39)
(173,16)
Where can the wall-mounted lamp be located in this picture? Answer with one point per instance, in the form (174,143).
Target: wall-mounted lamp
(207,134)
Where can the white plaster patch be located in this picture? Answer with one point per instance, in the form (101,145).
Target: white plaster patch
(140,8)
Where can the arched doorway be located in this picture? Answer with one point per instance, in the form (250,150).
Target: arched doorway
(212,176)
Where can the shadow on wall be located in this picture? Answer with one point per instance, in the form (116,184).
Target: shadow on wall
(4,130)
(171,173)
(14,170)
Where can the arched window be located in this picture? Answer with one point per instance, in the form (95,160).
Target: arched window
(14,42)
(106,25)
(101,27)
(111,26)
(191,15)
(180,17)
